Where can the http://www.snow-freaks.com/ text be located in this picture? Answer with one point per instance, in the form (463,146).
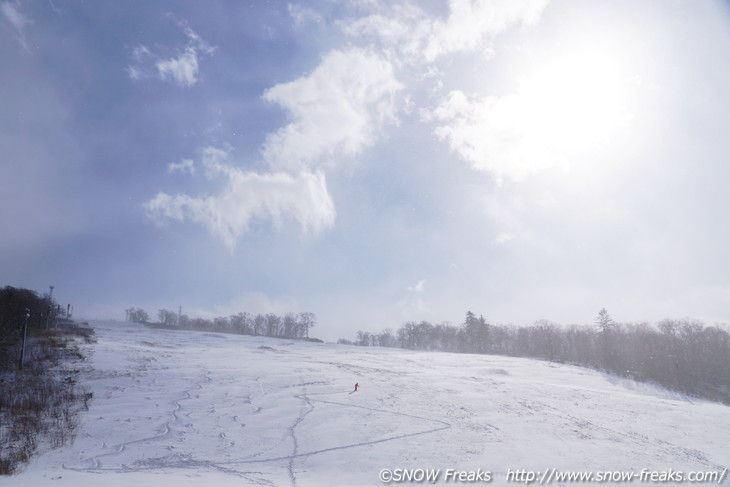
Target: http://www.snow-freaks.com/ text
(549,476)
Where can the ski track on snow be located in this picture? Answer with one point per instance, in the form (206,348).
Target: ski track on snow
(164,430)
(286,447)
(187,461)
(307,399)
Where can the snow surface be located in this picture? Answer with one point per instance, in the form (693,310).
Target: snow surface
(191,408)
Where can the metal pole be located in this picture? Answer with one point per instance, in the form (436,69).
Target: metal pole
(25,333)
(50,303)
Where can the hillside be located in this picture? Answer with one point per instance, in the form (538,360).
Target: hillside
(182,408)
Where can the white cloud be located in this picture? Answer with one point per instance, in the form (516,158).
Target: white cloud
(504,237)
(195,41)
(412,306)
(470,25)
(135,73)
(495,134)
(338,108)
(508,136)
(304,16)
(401,28)
(417,287)
(181,69)
(19,21)
(215,160)
(247,196)
(184,166)
(140,52)
(564,109)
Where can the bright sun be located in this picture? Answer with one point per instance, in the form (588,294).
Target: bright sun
(574,101)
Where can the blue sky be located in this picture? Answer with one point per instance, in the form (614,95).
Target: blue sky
(372,162)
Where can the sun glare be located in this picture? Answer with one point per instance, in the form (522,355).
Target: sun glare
(575,101)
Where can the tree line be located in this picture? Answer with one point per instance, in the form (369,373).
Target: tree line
(15,304)
(684,355)
(289,325)
(39,399)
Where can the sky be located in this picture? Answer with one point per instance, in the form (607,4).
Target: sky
(373,162)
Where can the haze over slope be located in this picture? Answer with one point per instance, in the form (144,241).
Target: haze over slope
(181,408)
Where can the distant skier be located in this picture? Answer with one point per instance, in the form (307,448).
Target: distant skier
(356,386)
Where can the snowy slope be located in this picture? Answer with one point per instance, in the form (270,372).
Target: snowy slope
(191,408)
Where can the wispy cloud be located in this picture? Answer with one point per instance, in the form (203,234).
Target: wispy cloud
(504,237)
(195,40)
(181,69)
(304,16)
(417,287)
(336,111)
(473,23)
(12,13)
(398,28)
(184,166)
(495,134)
(470,25)
(338,108)
(412,305)
(247,196)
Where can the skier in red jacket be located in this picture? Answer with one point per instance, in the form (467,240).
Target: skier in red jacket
(356,386)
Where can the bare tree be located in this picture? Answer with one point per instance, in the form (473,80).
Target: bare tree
(167,318)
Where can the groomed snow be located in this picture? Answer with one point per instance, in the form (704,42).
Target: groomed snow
(190,408)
